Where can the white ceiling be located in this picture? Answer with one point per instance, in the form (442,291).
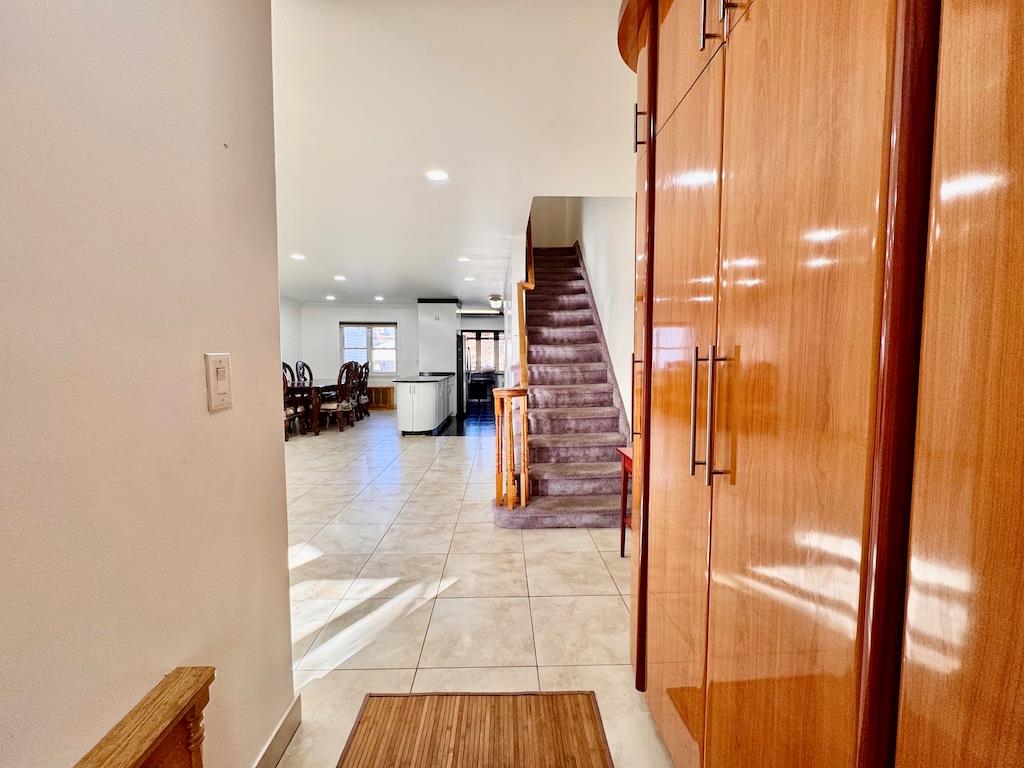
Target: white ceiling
(515,98)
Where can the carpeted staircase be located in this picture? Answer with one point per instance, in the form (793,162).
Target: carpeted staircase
(576,416)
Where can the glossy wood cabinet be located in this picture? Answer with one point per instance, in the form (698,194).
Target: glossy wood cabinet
(779,290)
(686,234)
(806,163)
(689,35)
(962,698)
(641,351)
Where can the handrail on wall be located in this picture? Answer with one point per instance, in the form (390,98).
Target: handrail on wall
(164,729)
(525,285)
(505,458)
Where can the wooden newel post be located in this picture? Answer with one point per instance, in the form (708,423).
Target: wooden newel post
(505,491)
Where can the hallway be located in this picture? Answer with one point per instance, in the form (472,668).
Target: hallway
(401,582)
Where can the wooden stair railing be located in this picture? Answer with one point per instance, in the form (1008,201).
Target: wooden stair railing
(505,460)
(505,491)
(164,730)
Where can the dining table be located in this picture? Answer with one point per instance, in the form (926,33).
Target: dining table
(313,389)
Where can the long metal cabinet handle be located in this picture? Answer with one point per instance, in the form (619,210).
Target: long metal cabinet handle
(709,462)
(636,129)
(703,24)
(694,462)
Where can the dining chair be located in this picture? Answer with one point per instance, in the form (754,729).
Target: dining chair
(362,391)
(295,408)
(343,405)
(303,371)
(289,372)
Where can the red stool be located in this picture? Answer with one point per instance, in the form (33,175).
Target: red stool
(625,515)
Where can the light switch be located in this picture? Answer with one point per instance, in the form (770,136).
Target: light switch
(218,380)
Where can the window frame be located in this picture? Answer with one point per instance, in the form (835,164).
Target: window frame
(370,349)
(475,338)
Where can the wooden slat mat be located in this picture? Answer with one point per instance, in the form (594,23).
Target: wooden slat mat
(464,730)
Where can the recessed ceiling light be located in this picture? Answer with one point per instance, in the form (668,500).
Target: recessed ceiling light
(465,259)
(329,298)
(438,175)
(378,298)
(469,279)
(298,257)
(340,278)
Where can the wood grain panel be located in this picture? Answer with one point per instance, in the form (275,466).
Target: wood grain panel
(687,199)
(962,698)
(680,58)
(806,167)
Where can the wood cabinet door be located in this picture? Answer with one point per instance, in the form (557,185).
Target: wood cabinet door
(687,192)
(638,607)
(962,696)
(681,56)
(805,168)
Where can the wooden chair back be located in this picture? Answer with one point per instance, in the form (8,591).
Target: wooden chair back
(289,373)
(303,371)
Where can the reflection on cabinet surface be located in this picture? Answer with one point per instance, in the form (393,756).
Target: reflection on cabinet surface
(962,698)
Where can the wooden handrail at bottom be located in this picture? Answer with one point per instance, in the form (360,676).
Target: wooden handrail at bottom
(165,729)
(505,455)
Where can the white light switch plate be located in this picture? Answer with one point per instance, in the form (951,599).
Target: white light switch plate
(218,380)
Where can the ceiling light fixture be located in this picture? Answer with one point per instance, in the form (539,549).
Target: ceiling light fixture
(329,298)
(495,300)
(438,175)
(469,279)
(378,298)
(298,257)
(464,259)
(476,311)
(340,278)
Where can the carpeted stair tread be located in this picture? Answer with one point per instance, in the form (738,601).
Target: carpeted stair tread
(575,439)
(570,366)
(571,388)
(592,511)
(580,469)
(598,412)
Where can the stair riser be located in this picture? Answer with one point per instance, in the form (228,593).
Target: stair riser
(515,519)
(548,426)
(568,376)
(578,335)
(575,486)
(573,454)
(556,302)
(560,319)
(558,276)
(565,354)
(556,262)
(570,399)
(557,289)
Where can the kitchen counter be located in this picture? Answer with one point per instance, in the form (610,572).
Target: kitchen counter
(421,379)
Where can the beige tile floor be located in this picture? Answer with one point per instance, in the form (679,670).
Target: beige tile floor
(400,582)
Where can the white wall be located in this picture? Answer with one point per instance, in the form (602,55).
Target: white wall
(483,323)
(291,331)
(555,221)
(607,226)
(138,531)
(321,335)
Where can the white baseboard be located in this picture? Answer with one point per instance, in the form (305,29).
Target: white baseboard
(282,737)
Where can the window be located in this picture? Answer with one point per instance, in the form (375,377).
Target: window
(485,350)
(376,343)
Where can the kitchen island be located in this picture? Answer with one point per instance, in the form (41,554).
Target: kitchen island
(424,402)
